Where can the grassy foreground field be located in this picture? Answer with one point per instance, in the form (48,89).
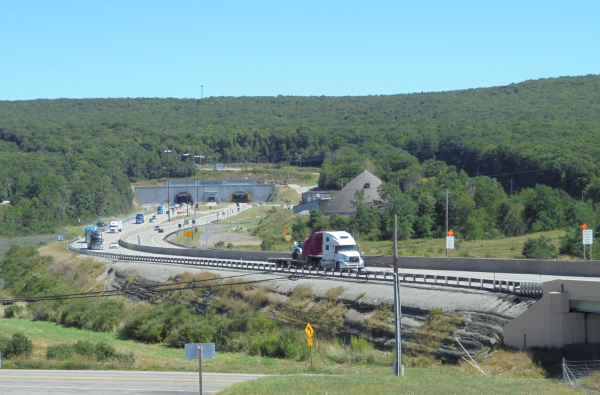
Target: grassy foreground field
(416,381)
(511,372)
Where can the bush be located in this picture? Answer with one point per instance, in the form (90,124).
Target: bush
(12,311)
(60,352)
(19,344)
(540,248)
(100,351)
(267,244)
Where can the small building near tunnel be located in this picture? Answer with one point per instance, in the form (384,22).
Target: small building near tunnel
(205,191)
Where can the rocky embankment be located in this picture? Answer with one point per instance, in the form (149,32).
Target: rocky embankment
(484,312)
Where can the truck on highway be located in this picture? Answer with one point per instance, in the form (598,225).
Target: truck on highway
(329,250)
(160,210)
(95,241)
(139,219)
(93,238)
(115,226)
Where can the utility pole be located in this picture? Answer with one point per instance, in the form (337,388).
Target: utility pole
(399,371)
(511,186)
(168,151)
(300,160)
(447,219)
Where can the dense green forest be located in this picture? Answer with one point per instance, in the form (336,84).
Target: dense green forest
(66,159)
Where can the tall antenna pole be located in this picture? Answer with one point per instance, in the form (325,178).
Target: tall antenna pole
(201,92)
(511,186)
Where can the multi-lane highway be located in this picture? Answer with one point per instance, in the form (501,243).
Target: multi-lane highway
(64,382)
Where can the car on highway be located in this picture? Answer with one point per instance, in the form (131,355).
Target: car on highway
(151,219)
(161,229)
(114,244)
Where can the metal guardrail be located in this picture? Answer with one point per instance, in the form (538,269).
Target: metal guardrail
(532,290)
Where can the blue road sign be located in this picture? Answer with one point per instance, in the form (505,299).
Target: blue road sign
(60,237)
(208,351)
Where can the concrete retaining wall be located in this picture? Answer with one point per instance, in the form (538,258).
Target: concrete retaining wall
(516,266)
(492,265)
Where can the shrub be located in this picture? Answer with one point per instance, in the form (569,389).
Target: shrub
(540,248)
(360,345)
(19,344)
(59,352)
(230,246)
(12,311)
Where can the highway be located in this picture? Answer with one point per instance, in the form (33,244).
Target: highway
(95,382)
(152,238)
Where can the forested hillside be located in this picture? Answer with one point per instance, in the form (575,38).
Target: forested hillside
(61,159)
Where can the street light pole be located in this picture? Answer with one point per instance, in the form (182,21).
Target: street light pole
(447,220)
(187,195)
(168,151)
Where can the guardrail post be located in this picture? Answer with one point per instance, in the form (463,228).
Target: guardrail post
(458,281)
(414,276)
(494,285)
(481,283)
(384,276)
(435,279)
(469,282)
(446,280)
(425,279)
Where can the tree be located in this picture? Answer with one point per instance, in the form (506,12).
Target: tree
(299,229)
(540,248)
(317,222)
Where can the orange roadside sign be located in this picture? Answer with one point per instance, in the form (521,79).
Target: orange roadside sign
(187,233)
(310,342)
(584,226)
(450,232)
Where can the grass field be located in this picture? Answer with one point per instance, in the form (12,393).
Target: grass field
(416,381)
(506,247)
(6,242)
(303,176)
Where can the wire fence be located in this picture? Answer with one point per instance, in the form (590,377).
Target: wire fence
(581,373)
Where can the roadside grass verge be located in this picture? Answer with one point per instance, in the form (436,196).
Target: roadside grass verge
(416,381)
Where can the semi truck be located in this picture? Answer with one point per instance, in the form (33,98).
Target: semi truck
(328,250)
(139,219)
(160,210)
(115,226)
(94,240)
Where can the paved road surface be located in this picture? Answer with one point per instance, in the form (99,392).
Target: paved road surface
(67,382)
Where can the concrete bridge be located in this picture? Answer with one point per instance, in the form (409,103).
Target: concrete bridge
(205,191)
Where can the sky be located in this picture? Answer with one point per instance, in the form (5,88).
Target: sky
(113,49)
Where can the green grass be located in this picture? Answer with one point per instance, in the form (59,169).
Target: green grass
(505,247)
(416,381)
(6,242)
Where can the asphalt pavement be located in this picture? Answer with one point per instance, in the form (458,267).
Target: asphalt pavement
(93,382)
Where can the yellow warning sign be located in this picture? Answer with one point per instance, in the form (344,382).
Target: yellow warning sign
(187,233)
(309,330)
(288,237)
(310,342)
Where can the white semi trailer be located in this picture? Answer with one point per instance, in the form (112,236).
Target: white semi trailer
(330,250)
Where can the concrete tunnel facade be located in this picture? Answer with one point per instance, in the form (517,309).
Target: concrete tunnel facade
(205,191)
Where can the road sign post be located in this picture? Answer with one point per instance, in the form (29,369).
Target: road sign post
(200,351)
(309,332)
(449,242)
(588,239)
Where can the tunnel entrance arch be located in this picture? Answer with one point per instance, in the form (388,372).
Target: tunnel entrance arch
(183,197)
(240,197)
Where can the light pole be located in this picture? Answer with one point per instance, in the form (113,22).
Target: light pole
(168,151)
(187,195)
(447,192)
(199,158)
